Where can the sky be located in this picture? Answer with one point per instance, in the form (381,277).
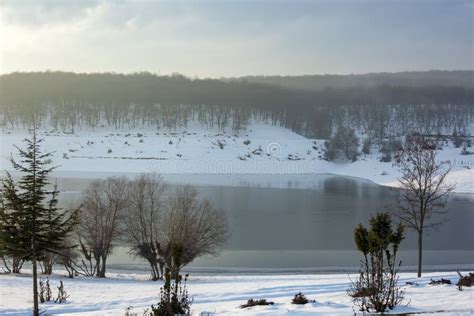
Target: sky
(236,38)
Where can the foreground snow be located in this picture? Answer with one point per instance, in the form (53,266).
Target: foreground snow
(222,294)
(192,155)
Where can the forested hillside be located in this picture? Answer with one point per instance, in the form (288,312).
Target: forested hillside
(68,101)
(456,78)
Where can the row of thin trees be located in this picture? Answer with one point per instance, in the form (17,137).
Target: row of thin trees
(69,101)
(143,215)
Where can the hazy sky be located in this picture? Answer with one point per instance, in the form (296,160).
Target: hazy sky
(234,38)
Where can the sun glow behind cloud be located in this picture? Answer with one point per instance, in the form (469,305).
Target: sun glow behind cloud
(236,38)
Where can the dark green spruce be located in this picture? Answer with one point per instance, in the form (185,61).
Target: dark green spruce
(31,223)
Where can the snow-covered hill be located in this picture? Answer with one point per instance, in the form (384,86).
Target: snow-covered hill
(192,155)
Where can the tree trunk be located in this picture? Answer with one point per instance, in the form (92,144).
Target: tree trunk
(155,273)
(162,268)
(98,267)
(48,267)
(17,265)
(101,271)
(35,289)
(420,252)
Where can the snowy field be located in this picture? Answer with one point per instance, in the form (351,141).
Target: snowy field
(223,294)
(193,154)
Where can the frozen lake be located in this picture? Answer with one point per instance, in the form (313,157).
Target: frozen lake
(308,229)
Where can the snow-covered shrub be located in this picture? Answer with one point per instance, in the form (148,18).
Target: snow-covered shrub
(376,288)
(457,140)
(440,281)
(344,144)
(299,299)
(45,291)
(259,302)
(220,143)
(366,145)
(258,151)
(465,280)
(109,151)
(62,294)
(388,148)
(465,151)
(247,142)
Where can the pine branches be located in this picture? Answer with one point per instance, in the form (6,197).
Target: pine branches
(32,226)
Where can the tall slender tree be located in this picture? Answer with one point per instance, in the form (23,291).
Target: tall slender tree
(31,224)
(424,190)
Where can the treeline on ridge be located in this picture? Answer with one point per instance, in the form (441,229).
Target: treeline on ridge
(445,78)
(69,101)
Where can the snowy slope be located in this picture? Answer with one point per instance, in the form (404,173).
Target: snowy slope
(199,152)
(222,294)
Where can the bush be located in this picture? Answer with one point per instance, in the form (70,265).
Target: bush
(440,281)
(330,152)
(376,288)
(299,299)
(465,280)
(366,145)
(45,291)
(174,298)
(62,294)
(457,140)
(221,144)
(388,148)
(466,152)
(252,302)
(344,144)
(247,142)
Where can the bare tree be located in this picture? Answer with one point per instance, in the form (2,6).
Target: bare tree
(422,199)
(11,264)
(194,224)
(103,204)
(68,257)
(142,220)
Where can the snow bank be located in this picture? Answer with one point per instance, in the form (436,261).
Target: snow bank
(222,294)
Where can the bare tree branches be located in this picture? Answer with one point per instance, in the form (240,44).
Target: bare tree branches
(142,220)
(424,190)
(103,204)
(137,213)
(195,224)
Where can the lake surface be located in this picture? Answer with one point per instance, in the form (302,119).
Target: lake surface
(311,229)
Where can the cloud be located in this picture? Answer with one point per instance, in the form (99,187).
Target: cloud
(38,13)
(230,38)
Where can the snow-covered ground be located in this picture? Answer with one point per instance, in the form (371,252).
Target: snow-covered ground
(222,294)
(192,155)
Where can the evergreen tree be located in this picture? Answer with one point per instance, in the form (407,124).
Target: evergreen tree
(31,225)
(376,288)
